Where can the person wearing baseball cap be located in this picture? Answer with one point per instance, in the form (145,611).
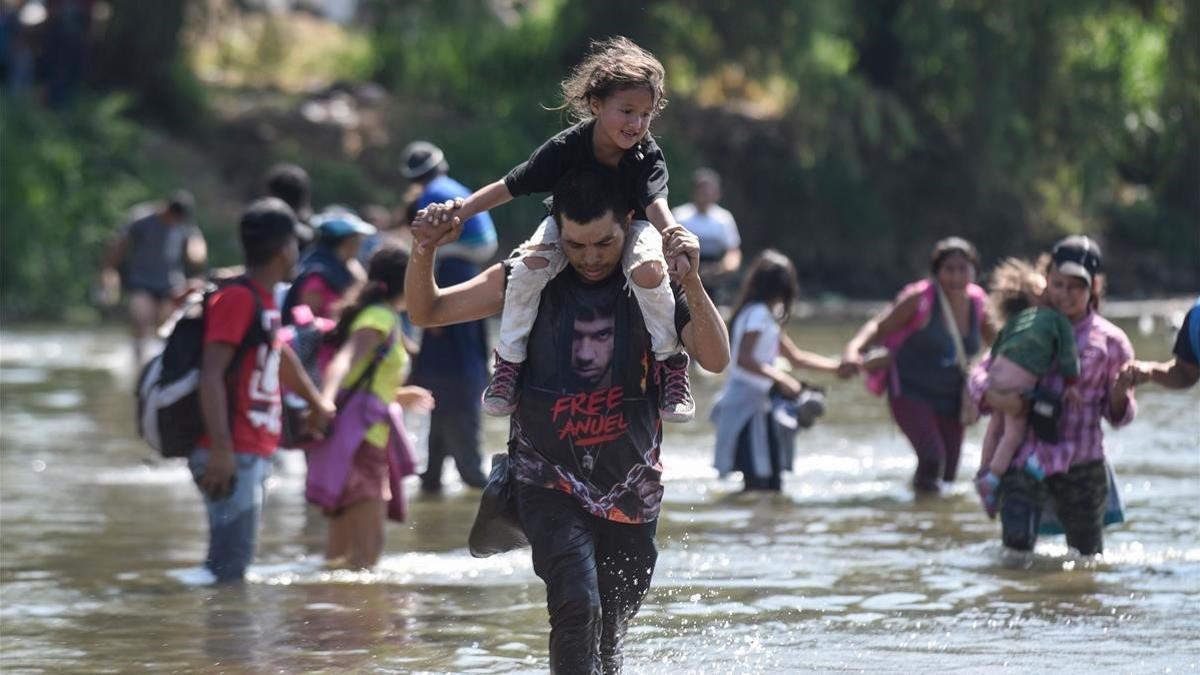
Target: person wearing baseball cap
(337,222)
(1077,256)
(330,268)
(242,364)
(1078,477)
(452,361)
(266,226)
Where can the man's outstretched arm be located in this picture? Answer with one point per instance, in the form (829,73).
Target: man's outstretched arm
(1173,374)
(476,298)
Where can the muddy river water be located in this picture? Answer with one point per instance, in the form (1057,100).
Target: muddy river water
(844,571)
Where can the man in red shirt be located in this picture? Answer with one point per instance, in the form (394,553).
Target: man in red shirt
(241,368)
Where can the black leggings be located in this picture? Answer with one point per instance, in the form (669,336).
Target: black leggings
(742,460)
(596,572)
(454,433)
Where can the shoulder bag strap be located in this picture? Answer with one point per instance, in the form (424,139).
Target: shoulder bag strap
(381,352)
(255,332)
(960,352)
(254,329)
(968,412)
(249,341)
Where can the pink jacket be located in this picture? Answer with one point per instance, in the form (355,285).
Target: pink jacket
(329,462)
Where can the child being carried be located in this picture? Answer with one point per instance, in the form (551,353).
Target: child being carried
(1035,340)
(614,94)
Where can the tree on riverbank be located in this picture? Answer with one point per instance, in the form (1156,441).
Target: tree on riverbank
(872,126)
(850,134)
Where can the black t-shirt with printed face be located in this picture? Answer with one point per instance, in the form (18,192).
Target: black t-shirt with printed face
(642,171)
(587,421)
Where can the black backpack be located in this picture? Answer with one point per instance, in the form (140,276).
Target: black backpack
(169,418)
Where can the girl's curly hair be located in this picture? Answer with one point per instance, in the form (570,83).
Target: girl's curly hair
(611,65)
(1012,284)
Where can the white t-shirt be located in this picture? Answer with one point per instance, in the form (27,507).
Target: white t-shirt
(755,318)
(715,228)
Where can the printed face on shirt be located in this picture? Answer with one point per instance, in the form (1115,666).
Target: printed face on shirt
(592,341)
(1068,295)
(623,118)
(594,248)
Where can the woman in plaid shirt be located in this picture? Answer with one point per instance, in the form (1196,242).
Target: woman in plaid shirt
(1076,476)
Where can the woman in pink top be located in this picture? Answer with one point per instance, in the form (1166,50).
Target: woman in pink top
(1075,472)
(923,381)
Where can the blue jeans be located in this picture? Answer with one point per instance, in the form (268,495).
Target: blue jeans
(233,521)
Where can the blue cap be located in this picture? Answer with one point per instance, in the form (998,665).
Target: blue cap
(337,222)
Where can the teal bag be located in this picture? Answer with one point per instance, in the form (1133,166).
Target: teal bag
(1114,509)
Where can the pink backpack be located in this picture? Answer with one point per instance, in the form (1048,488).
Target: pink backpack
(306,337)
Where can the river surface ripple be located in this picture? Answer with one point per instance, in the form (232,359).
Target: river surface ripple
(844,571)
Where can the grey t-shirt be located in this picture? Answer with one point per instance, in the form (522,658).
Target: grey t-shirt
(154,259)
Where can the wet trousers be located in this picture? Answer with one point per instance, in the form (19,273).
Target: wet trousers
(457,434)
(1080,496)
(937,440)
(743,462)
(233,521)
(596,572)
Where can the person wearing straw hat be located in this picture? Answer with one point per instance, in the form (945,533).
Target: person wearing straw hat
(425,164)
(452,361)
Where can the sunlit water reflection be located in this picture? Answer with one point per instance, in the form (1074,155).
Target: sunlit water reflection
(843,571)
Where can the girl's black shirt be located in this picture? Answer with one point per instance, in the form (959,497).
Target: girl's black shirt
(641,173)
